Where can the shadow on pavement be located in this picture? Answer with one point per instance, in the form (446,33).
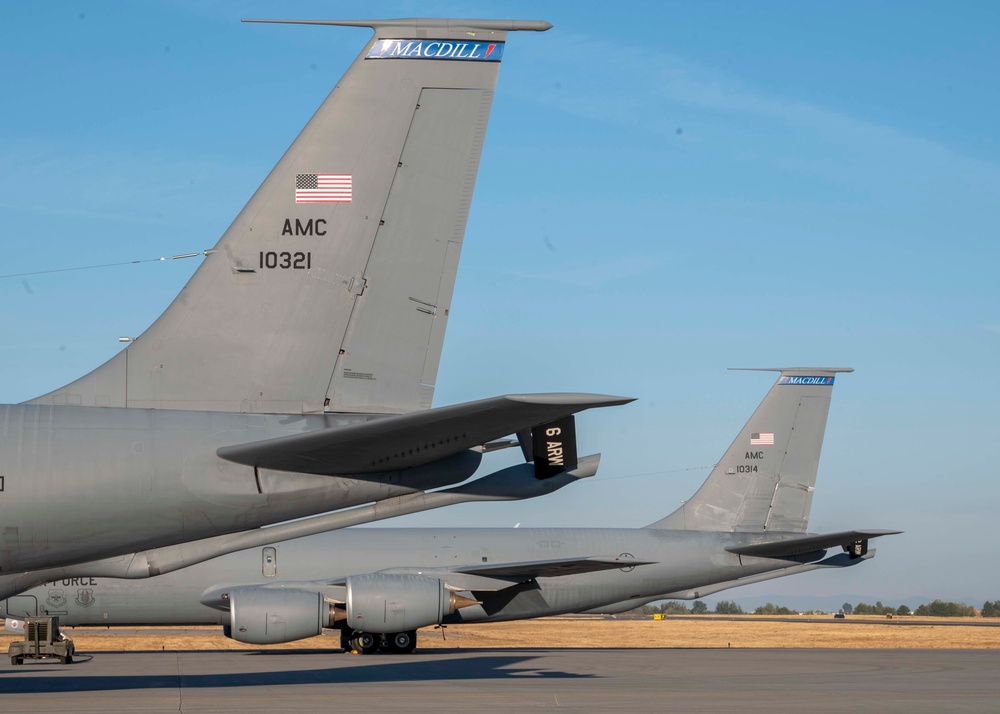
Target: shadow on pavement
(349,670)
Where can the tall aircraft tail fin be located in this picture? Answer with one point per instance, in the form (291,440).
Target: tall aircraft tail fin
(332,287)
(765,480)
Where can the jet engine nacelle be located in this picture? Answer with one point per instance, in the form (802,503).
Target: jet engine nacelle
(381,602)
(266,616)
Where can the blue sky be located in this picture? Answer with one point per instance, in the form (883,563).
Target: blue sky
(665,192)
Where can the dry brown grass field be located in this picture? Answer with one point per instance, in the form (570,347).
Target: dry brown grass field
(594,632)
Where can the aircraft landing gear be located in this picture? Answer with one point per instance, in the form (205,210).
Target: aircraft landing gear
(400,642)
(365,642)
(369,643)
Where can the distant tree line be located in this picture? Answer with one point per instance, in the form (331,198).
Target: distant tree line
(938,608)
(772,609)
(863,608)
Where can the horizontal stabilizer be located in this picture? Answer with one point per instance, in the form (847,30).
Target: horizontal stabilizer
(406,440)
(549,568)
(416,24)
(808,544)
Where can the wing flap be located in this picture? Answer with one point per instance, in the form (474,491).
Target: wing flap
(807,544)
(403,441)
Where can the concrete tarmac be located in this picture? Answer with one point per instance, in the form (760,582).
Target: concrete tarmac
(470,680)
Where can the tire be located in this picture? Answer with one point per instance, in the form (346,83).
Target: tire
(402,642)
(366,642)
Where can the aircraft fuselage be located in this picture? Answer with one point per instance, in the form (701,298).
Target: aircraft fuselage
(84,483)
(681,560)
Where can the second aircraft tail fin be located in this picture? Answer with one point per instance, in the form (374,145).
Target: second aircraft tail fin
(765,480)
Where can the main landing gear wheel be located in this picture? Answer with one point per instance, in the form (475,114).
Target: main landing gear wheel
(366,642)
(401,642)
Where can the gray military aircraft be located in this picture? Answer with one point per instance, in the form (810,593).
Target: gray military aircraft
(293,374)
(746,524)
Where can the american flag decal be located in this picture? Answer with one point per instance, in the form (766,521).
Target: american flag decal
(323,188)
(764,438)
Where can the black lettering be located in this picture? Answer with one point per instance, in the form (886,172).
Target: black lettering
(286,260)
(755,455)
(309,227)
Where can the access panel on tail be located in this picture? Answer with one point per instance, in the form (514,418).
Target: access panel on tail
(331,289)
(765,480)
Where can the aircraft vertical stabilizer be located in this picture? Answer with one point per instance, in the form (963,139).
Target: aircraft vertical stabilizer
(331,289)
(765,481)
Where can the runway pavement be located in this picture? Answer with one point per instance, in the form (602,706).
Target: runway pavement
(484,680)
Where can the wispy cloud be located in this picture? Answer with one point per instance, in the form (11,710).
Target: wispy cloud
(641,86)
(598,275)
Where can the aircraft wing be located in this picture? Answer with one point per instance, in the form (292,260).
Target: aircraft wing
(520,572)
(548,568)
(809,544)
(403,441)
